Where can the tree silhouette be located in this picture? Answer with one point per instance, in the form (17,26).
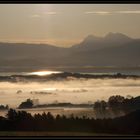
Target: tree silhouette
(27,104)
(12,114)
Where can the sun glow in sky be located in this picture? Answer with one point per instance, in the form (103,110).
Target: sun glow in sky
(66,24)
(43,73)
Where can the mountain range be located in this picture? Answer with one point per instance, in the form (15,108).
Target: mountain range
(114,49)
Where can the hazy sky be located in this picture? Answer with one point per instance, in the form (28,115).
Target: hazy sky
(66,24)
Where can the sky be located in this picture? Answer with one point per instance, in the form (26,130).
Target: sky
(66,24)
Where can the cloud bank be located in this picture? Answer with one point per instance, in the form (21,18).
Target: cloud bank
(112,12)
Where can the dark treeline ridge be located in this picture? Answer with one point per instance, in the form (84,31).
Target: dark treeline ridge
(64,75)
(23,121)
(29,103)
(116,106)
(2,107)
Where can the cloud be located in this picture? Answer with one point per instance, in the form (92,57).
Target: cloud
(128,12)
(98,12)
(35,16)
(43,14)
(112,12)
(51,13)
(102,13)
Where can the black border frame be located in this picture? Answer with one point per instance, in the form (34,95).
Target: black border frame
(70,2)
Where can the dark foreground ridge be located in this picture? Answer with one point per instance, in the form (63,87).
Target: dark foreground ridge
(23,121)
(63,76)
(126,124)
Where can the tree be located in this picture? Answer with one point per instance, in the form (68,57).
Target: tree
(115,103)
(27,104)
(12,114)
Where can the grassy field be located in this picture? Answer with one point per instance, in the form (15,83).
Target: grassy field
(44,133)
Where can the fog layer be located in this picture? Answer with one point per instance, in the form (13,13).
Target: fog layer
(74,91)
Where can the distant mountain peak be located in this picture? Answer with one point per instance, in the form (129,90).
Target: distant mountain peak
(111,39)
(108,37)
(120,36)
(90,38)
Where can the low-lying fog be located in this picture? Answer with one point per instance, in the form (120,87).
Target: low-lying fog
(74,91)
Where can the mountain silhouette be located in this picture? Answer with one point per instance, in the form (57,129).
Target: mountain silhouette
(114,49)
(117,36)
(110,40)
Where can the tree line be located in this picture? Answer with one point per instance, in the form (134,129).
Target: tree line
(23,121)
(116,106)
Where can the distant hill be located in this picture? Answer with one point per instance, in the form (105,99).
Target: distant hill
(92,42)
(115,49)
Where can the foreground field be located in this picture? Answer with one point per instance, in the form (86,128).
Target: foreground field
(44,133)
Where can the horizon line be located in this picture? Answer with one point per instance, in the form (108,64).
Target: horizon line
(35,42)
